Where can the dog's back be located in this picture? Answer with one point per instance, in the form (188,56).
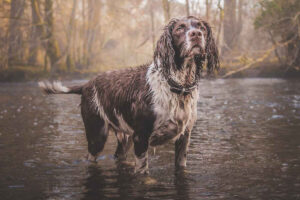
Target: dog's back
(117,100)
(120,97)
(117,96)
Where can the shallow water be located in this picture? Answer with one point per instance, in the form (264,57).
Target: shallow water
(245,145)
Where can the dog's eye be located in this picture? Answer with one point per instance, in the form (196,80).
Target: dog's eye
(181,27)
(202,28)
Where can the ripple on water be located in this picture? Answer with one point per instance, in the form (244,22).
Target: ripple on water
(245,144)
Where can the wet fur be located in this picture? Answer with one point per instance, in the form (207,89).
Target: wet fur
(137,104)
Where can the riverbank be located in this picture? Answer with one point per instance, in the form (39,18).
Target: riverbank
(260,70)
(28,73)
(22,74)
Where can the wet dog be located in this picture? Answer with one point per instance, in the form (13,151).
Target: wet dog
(149,104)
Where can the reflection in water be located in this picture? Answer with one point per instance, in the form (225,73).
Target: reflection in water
(95,183)
(110,184)
(181,183)
(245,145)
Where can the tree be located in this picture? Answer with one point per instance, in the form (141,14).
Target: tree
(37,31)
(229,24)
(152,25)
(208,7)
(187,7)
(281,20)
(239,23)
(69,57)
(93,30)
(233,24)
(52,49)
(221,19)
(166,8)
(15,51)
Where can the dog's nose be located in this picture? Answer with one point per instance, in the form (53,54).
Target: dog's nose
(194,33)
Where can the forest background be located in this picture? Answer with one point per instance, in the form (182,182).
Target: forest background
(66,39)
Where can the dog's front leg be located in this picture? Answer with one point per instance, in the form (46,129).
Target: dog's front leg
(181,148)
(182,143)
(141,153)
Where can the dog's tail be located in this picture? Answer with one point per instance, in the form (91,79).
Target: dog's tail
(57,88)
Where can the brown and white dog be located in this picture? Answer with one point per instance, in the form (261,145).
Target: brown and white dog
(149,104)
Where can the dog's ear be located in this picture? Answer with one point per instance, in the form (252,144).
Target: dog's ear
(164,53)
(211,50)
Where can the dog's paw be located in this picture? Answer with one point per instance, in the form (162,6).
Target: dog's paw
(91,158)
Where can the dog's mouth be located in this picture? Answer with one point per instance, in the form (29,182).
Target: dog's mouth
(193,49)
(196,50)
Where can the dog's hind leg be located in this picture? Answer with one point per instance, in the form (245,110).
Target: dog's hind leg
(96,133)
(124,144)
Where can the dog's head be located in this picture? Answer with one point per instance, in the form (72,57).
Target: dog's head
(185,38)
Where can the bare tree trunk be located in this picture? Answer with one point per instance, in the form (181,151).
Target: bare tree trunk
(221,17)
(15,50)
(229,24)
(152,26)
(3,45)
(274,43)
(296,61)
(69,58)
(85,10)
(83,36)
(292,49)
(166,8)
(3,51)
(52,48)
(187,4)
(208,6)
(36,32)
(239,24)
(93,29)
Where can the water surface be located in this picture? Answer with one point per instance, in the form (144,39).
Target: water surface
(245,145)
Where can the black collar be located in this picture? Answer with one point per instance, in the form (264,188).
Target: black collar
(180,89)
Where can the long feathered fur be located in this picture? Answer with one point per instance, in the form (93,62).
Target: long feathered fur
(211,49)
(57,88)
(164,52)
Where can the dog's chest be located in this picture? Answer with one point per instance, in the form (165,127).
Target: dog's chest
(168,105)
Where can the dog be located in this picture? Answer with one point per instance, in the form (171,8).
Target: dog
(149,104)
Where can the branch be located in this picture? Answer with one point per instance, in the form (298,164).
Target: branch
(259,60)
(293,19)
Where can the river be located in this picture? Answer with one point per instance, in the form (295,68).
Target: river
(245,145)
